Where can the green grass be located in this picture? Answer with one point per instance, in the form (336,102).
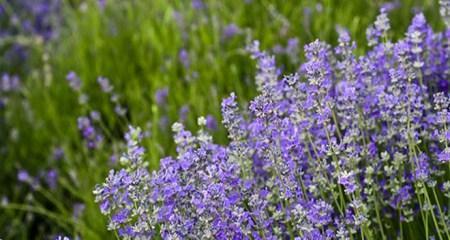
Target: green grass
(136,45)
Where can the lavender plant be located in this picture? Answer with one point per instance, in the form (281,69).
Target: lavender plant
(24,24)
(349,147)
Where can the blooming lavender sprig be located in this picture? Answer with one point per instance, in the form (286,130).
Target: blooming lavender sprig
(197,4)
(211,123)
(161,96)
(108,88)
(105,84)
(8,84)
(92,137)
(49,178)
(379,29)
(74,81)
(124,195)
(183,57)
(230,31)
(349,147)
(267,70)
(183,113)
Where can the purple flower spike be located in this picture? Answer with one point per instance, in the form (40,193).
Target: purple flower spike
(230,31)
(161,96)
(23,176)
(105,85)
(211,122)
(74,81)
(183,57)
(89,133)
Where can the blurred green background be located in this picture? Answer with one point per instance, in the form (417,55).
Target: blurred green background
(194,49)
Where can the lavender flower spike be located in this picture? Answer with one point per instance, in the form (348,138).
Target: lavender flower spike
(74,81)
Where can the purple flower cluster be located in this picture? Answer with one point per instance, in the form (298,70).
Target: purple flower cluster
(379,29)
(74,81)
(348,147)
(92,137)
(161,96)
(230,31)
(37,20)
(30,17)
(107,88)
(75,84)
(105,85)
(183,57)
(8,84)
(50,178)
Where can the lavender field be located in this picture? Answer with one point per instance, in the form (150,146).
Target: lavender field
(239,119)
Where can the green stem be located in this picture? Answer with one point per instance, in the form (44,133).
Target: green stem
(377,211)
(60,220)
(400,223)
(436,225)
(441,214)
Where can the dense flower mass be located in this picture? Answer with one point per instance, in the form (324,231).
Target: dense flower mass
(30,17)
(23,22)
(348,147)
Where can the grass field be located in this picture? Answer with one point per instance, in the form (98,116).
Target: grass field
(194,51)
